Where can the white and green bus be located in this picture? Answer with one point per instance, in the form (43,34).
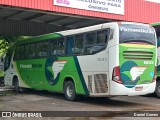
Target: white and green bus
(103,60)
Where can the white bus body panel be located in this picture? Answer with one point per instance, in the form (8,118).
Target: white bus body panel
(10,73)
(98,77)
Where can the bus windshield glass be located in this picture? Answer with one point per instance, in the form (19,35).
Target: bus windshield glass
(136,33)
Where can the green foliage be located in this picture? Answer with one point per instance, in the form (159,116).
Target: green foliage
(8,40)
(1,73)
(3,46)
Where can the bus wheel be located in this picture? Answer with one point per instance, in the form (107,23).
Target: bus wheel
(157,91)
(69,91)
(16,86)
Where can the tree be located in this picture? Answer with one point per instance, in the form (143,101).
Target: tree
(8,40)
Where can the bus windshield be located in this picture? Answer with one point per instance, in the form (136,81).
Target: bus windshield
(136,33)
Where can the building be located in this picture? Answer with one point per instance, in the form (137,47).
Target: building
(44,16)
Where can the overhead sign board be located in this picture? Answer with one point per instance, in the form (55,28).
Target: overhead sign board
(108,6)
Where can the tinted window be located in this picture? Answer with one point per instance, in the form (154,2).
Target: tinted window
(27,51)
(90,39)
(42,49)
(54,45)
(79,44)
(101,37)
(96,41)
(60,47)
(75,44)
(57,47)
(33,51)
(30,50)
(22,56)
(158,36)
(136,33)
(70,45)
(17,53)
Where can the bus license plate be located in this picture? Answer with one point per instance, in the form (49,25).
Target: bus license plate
(139,88)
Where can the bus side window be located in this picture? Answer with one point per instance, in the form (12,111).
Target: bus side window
(22,55)
(33,51)
(27,51)
(101,37)
(60,47)
(17,53)
(42,49)
(96,41)
(158,37)
(79,44)
(70,45)
(54,47)
(90,41)
(30,50)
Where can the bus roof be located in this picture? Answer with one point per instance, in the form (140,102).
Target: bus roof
(156,24)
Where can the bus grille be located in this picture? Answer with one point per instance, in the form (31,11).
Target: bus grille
(99,85)
(137,55)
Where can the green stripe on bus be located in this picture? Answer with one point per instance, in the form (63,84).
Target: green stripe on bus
(81,75)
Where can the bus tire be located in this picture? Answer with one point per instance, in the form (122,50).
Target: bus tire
(69,91)
(16,86)
(157,90)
